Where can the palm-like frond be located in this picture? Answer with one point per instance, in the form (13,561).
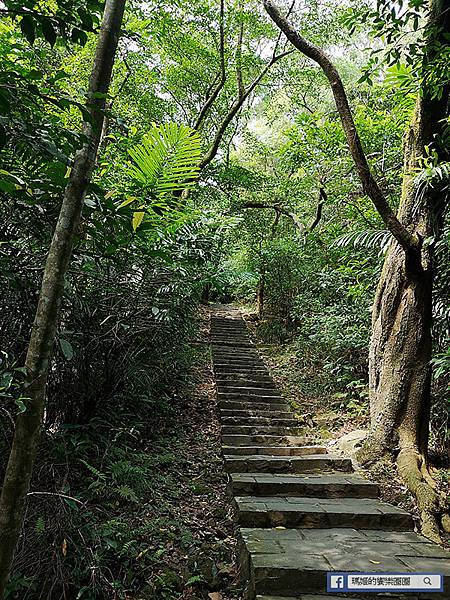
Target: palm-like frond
(371,238)
(167,159)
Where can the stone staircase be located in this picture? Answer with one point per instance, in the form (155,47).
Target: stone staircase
(302,511)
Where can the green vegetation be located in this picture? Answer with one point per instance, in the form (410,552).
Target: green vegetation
(190,152)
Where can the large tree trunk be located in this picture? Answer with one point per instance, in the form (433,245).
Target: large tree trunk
(401,344)
(28,424)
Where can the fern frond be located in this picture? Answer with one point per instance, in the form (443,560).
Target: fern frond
(168,159)
(125,492)
(369,239)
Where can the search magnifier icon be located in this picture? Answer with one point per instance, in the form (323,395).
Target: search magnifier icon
(427,581)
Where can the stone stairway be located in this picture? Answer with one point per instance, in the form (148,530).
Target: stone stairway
(302,511)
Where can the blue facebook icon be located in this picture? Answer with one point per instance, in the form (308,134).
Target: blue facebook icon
(336,582)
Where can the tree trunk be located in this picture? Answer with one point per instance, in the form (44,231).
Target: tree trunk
(401,343)
(28,424)
(260,294)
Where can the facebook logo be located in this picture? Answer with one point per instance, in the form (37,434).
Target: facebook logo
(336,582)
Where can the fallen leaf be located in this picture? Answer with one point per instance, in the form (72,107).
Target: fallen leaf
(215,596)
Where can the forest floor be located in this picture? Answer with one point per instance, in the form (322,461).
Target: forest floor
(329,414)
(145,513)
(199,561)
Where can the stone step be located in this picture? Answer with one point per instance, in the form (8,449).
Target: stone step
(276,414)
(230,336)
(227,339)
(293,511)
(222,357)
(239,379)
(283,465)
(228,385)
(274,451)
(233,440)
(229,327)
(261,430)
(247,344)
(260,420)
(250,391)
(292,562)
(263,406)
(236,362)
(234,369)
(261,397)
(226,350)
(326,485)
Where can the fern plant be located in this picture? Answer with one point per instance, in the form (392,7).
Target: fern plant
(371,238)
(167,160)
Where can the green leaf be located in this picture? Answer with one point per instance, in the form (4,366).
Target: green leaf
(20,404)
(138,217)
(28,29)
(126,202)
(167,159)
(48,31)
(66,348)
(79,36)
(3,137)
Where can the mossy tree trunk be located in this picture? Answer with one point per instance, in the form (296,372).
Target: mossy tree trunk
(401,344)
(28,424)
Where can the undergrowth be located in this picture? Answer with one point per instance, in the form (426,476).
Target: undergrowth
(135,504)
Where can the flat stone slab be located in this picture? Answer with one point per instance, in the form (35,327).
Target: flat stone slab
(239,379)
(257,398)
(231,386)
(260,420)
(283,464)
(335,485)
(242,405)
(366,513)
(261,430)
(274,451)
(292,562)
(258,440)
(238,362)
(237,412)
(249,391)
(228,352)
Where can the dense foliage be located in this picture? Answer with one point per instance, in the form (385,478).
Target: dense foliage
(274,218)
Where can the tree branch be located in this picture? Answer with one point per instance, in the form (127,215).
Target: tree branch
(212,95)
(238,57)
(322,199)
(280,210)
(370,186)
(234,109)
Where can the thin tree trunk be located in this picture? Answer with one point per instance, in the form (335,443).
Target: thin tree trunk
(28,424)
(260,293)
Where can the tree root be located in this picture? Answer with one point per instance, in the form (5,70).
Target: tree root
(371,452)
(412,467)
(431,504)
